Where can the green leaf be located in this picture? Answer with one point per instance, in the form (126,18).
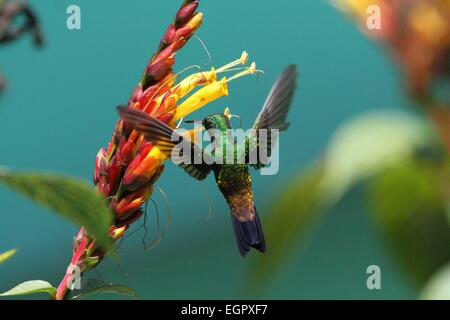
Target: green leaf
(368,143)
(438,287)
(7,255)
(95,286)
(31,287)
(410,208)
(72,198)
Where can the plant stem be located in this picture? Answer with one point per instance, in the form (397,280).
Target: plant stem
(77,260)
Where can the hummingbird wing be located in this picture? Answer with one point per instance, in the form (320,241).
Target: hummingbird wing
(272,116)
(187,154)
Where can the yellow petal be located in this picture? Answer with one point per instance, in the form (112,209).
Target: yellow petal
(197,79)
(202,97)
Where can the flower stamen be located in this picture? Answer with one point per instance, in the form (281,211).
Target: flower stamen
(241,61)
(251,70)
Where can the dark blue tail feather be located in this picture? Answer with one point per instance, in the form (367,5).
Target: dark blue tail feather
(248,235)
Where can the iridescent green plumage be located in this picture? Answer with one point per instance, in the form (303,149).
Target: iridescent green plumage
(233,180)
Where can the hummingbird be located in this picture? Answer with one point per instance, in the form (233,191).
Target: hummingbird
(233,179)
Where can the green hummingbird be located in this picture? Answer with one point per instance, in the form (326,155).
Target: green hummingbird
(233,179)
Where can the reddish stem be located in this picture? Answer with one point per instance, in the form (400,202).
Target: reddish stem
(76,260)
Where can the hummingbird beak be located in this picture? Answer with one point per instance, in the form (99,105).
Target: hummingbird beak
(193,121)
(227,113)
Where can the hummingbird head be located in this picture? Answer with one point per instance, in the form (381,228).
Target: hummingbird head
(217,121)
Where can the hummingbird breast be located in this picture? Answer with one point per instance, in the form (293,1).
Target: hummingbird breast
(235,183)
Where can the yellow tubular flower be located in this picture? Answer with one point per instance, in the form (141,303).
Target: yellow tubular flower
(202,97)
(203,78)
(212,91)
(185,86)
(197,79)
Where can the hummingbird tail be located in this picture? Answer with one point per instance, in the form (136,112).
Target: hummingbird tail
(248,235)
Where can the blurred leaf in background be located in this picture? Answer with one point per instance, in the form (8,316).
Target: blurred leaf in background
(410,205)
(360,149)
(5,256)
(370,142)
(438,287)
(69,197)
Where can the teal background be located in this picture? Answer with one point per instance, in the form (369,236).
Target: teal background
(60,109)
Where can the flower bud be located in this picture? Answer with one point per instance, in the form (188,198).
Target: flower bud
(135,96)
(114,172)
(165,117)
(117,232)
(100,165)
(156,71)
(130,220)
(185,13)
(195,22)
(131,203)
(126,152)
(104,188)
(168,37)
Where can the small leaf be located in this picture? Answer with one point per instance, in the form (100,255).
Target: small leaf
(31,287)
(72,198)
(96,286)
(7,255)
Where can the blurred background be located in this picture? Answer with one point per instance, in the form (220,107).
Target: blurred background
(59,109)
